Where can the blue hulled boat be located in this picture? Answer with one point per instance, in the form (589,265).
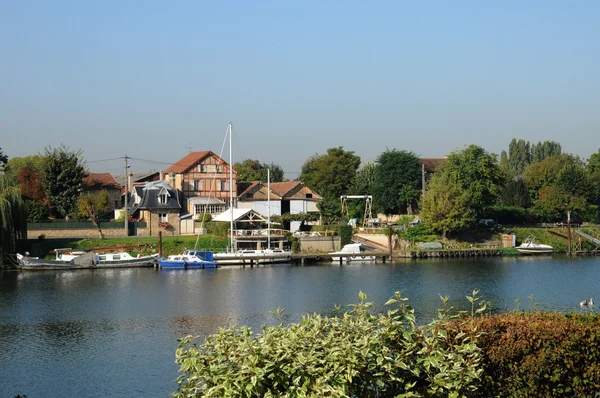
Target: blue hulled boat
(188,260)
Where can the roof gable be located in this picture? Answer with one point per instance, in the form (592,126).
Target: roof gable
(294,190)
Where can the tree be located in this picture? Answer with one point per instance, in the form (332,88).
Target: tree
(554,203)
(63,178)
(253,170)
(461,190)
(518,158)
(477,173)
(396,183)
(330,175)
(544,173)
(13,219)
(593,164)
(93,205)
(544,150)
(3,157)
(445,207)
(29,173)
(515,193)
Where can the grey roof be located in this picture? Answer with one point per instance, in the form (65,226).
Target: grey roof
(150,197)
(122,179)
(205,200)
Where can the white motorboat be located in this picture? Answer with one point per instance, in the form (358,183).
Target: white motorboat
(246,256)
(530,247)
(352,252)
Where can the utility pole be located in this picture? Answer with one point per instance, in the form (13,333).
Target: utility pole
(569,233)
(126,196)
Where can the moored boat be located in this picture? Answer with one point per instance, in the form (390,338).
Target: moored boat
(85,260)
(262,256)
(530,247)
(190,259)
(352,252)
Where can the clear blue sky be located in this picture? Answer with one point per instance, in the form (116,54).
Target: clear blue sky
(151,79)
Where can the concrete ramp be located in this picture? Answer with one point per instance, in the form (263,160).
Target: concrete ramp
(376,243)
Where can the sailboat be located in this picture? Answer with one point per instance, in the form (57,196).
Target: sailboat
(249,256)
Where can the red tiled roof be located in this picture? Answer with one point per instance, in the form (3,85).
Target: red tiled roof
(101,181)
(249,186)
(282,188)
(187,162)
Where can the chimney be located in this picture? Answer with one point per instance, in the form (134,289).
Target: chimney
(129,181)
(161,175)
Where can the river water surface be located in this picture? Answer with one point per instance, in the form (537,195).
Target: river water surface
(100,333)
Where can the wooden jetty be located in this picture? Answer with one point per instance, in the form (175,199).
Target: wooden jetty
(380,256)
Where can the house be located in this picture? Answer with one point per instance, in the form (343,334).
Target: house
(292,197)
(96,182)
(160,207)
(204,180)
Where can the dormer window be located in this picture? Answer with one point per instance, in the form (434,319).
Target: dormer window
(163,196)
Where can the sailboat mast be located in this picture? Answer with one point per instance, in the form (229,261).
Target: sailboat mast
(268,208)
(231,183)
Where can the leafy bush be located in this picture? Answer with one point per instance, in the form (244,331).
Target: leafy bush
(204,217)
(510,215)
(540,354)
(419,233)
(354,354)
(217,228)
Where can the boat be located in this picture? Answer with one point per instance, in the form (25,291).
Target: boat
(249,256)
(190,259)
(530,247)
(352,252)
(66,259)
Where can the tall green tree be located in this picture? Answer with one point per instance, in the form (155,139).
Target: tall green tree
(396,183)
(93,205)
(13,220)
(461,190)
(545,173)
(330,175)
(553,204)
(3,157)
(515,193)
(253,170)
(518,157)
(445,207)
(64,172)
(476,172)
(593,164)
(545,149)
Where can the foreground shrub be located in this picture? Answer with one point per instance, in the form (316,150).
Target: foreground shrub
(540,354)
(356,354)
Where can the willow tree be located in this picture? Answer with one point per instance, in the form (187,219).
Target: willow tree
(13,218)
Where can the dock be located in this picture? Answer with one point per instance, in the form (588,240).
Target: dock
(380,256)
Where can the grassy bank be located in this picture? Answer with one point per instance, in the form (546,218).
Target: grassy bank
(147,245)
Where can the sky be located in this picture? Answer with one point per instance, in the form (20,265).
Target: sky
(154,79)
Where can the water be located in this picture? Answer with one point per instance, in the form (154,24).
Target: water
(114,333)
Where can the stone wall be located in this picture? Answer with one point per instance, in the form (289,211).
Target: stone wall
(324,244)
(75,233)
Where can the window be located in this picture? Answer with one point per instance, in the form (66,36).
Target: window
(163,217)
(163,196)
(116,257)
(308,195)
(198,185)
(218,168)
(223,185)
(202,168)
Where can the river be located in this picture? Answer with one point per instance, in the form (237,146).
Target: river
(99,333)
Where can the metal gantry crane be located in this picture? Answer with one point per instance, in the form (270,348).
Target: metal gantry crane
(368,206)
